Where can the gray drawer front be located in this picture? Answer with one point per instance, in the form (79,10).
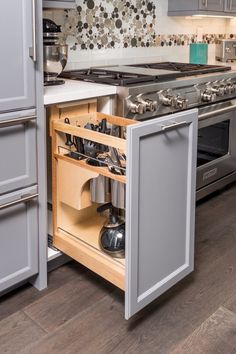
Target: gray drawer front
(18,237)
(18,152)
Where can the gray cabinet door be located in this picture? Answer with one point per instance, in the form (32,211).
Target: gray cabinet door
(211,5)
(18,150)
(61,4)
(160,206)
(230,6)
(17,68)
(18,237)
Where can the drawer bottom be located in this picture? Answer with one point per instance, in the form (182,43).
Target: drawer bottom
(110,268)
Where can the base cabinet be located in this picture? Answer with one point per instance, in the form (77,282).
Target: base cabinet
(59,4)
(159,211)
(202,7)
(19,237)
(18,143)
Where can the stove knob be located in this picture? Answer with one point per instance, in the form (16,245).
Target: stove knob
(180,103)
(165,98)
(149,105)
(229,86)
(218,90)
(208,96)
(135,106)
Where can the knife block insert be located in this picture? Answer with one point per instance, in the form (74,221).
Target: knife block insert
(74,185)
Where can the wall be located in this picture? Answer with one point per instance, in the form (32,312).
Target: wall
(102,32)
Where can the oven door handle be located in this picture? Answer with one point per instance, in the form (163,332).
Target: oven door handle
(216,112)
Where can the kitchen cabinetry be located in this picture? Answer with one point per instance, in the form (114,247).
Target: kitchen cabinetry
(211,5)
(59,4)
(230,6)
(160,203)
(18,237)
(18,55)
(201,7)
(18,142)
(21,103)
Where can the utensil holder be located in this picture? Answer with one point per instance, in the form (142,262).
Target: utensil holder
(118,194)
(100,190)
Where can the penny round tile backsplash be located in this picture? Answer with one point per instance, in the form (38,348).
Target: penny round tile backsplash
(111,24)
(107,24)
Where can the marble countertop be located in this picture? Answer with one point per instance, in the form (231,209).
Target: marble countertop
(74,90)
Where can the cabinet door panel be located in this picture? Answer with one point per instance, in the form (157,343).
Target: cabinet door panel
(18,151)
(61,4)
(211,5)
(17,69)
(230,6)
(18,237)
(160,206)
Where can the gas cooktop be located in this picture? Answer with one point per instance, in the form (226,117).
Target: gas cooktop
(129,75)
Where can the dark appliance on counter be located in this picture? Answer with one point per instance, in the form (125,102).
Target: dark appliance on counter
(54,53)
(151,90)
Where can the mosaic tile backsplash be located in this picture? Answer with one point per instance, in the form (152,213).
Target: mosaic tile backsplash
(103,24)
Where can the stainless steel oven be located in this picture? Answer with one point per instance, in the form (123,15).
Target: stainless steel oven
(216,159)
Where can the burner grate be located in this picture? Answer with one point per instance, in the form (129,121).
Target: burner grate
(107,77)
(186,68)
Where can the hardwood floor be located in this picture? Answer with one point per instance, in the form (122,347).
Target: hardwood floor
(82,313)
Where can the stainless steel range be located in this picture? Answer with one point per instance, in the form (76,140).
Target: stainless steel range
(146,91)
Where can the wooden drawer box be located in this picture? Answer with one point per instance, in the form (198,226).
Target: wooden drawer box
(159,213)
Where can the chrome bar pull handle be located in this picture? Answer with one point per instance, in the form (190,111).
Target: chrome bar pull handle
(175,125)
(24,199)
(33,49)
(11,122)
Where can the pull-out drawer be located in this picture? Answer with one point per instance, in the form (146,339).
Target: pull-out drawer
(18,237)
(18,151)
(154,165)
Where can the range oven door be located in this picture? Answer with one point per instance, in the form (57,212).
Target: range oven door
(216,156)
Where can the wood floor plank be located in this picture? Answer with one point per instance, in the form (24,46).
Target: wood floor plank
(27,294)
(84,333)
(17,331)
(67,301)
(216,335)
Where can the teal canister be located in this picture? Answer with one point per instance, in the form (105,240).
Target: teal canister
(198,53)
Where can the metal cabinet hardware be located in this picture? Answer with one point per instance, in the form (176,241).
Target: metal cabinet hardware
(33,49)
(16,121)
(175,125)
(24,199)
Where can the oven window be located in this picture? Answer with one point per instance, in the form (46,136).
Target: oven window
(213,142)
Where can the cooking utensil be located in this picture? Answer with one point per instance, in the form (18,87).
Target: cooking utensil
(113,161)
(100,190)
(112,235)
(69,141)
(118,194)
